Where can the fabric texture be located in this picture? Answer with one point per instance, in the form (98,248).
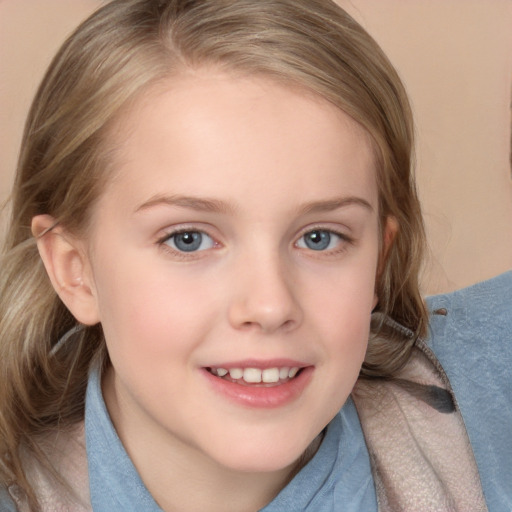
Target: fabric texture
(6,502)
(66,451)
(420,453)
(473,343)
(470,335)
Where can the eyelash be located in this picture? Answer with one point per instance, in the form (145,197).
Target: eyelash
(344,240)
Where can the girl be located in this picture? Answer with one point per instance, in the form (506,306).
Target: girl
(212,261)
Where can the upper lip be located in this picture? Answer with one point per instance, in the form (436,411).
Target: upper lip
(261,364)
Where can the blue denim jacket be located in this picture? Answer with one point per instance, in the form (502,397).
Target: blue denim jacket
(473,342)
(471,335)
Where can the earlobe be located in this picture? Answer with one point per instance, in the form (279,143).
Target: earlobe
(389,233)
(67,267)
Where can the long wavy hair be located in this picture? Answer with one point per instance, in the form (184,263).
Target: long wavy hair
(110,60)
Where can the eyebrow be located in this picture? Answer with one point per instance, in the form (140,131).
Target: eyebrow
(330,205)
(193,203)
(217,206)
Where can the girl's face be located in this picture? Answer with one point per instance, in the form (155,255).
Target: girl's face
(232,262)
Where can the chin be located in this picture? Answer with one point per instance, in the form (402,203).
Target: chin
(265,457)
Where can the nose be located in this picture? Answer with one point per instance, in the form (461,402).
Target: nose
(265,297)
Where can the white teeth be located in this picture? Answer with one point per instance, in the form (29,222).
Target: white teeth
(256,375)
(270,375)
(252,375)
(236,373)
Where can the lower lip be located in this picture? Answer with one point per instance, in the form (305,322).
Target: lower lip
(260,396)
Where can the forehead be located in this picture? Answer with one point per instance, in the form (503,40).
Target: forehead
(214,133)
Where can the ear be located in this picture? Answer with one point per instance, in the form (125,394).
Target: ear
(389,232)
(388,237)
(68,268)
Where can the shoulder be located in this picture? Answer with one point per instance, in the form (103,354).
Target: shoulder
(470,330)
(471,335)
(64,489)
(485,307)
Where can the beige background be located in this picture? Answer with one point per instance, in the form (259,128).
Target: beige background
(455,57)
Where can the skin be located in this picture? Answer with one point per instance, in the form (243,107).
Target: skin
(273,164)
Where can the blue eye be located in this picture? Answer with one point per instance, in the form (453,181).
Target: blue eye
(190,241)
(319,240)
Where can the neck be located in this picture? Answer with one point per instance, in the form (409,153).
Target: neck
(199,488)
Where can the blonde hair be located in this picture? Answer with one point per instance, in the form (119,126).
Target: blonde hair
(110,60)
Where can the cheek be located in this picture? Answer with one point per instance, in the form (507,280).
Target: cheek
(147,311)
(342,309)
(345,294)
(341,316)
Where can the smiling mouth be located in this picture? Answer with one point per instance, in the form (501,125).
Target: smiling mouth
(267,377)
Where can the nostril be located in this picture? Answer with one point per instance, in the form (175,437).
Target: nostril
(288,324)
